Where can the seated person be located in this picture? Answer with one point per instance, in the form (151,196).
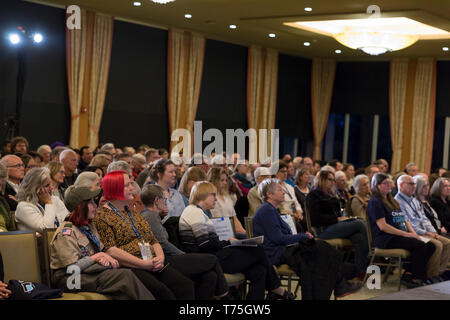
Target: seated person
(197,234)
(16,172)
(358,203)
(127,237)
(290,205)
(422,226)
(203,269)
(190,177)
(391,230)
(254,199)
(439,194)
(325,213)
(225,204)
(7,220)
(76,243)
(38,209)
(279,242)
(342,191)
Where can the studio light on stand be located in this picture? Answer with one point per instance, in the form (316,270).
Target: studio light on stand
(20,39)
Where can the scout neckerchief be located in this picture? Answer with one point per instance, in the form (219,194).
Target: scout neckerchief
(132,224)
(91,236)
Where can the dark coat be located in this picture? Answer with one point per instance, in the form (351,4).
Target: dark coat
(317,264)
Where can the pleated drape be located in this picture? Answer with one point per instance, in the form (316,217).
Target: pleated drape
(322,82)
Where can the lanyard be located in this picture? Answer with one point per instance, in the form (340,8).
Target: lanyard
(91,236)
(41,208)
(287,191)
(415,210)
(132,225)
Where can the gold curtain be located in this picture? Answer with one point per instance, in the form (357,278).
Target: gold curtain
(262,81)
(424,106)
(412,112)
(101,57)
(397,100)
(88,54)
(76,42)
(185,58)
(322,81)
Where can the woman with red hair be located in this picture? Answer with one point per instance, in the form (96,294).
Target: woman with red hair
(127,237)
(76,245)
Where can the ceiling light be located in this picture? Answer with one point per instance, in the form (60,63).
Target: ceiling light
(188,15)
(162,1)
(233,26)
(374,36)
(445,49)
(137,4)
(306,44)
(308,9)
(338,51)
(272,35)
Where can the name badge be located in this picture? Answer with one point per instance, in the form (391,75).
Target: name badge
(146,251)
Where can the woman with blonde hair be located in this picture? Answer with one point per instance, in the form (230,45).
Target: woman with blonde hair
(38,209)
(197,234)
(57,178)
(225,203)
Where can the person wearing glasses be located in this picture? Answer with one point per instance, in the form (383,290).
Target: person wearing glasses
(28,162)
(76,244)
(198,235)
(203,269)
(392,230)
(422,225)
(127,237)
(38,209)
(329,221)
(16,172)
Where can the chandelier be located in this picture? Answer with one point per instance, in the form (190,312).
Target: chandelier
(374,36)
(375,43)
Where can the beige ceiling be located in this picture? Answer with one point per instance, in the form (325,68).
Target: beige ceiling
(257,18)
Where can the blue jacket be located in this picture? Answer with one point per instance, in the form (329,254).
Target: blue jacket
(277,234)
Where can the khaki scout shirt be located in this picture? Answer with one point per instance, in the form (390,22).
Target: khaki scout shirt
(69,245)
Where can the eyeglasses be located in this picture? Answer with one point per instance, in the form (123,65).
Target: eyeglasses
(213,194)
(410,183)
(331,179)
(18,166)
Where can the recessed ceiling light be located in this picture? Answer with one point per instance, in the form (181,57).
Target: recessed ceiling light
(137,4)
(306,44)
(233,26)
(272,35)
(445,49)
(188,15)
(162,1)
(308,9)
(338,51)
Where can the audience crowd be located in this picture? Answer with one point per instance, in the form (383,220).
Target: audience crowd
(139,222)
